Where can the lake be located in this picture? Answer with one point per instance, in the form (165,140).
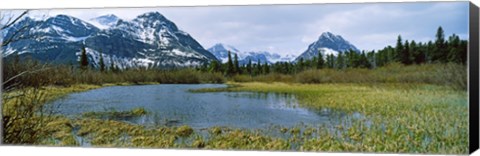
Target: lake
(174,104)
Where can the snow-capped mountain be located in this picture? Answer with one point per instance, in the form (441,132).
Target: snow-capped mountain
(327,43)
(149,40)
(55,39)
(105,21)
(221,52)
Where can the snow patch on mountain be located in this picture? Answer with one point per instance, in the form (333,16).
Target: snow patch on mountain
(328,51)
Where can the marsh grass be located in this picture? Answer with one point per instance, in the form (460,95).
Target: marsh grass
(408,118)
(24,114)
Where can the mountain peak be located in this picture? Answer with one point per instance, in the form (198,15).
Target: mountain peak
(62,16)
(327,43)
(155,15)
(327,33)
(330,36)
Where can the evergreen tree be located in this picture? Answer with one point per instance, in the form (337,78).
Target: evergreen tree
(330,61)
(453,49)
(83,59)
(102,63)
(405,55)
(363,61)
(230,67)
(352,57)
(340,61)
(398,49)
(429,52)
(419,52)
(236,66)
(301,65)
(440,53)
(266,68)
(113,67)
(249,66)
(371,59)
(259,68)
(320,61)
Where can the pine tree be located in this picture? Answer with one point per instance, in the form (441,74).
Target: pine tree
(440,53)
(363,61)
(429,50)
(453,49)
(259,67)
(398,49)
(112,65)
(83,59)
(266,68)
(320,61)
(405,55)
(236,66)
(249,66)
(340,61)
(330,61)
(230,67)
(419,52)
(371,59)
(102,63)
(352,57)
(301,65)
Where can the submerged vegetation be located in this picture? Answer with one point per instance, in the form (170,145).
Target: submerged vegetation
(116,114)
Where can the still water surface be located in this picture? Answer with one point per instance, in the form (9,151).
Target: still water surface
(174,104)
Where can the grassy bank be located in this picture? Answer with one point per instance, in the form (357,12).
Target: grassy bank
(449,74)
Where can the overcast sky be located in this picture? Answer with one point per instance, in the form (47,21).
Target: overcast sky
(289,29)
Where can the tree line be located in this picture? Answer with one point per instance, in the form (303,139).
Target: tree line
(451,50)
